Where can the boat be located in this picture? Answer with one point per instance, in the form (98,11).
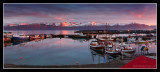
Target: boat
(20,38)
(101,39)
(110,44)
(132,39)
(97,46)
(126,49)
(112,50)
(34,37)
(42,36)
(151,40)
(48,36)
(82,35)
(65,36)
(140,41)
(6,39)
(8,34)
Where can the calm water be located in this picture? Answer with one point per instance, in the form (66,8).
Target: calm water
(64,51)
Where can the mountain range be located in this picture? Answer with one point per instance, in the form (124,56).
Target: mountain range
(131,26)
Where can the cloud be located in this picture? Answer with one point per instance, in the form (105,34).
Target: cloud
(77,12)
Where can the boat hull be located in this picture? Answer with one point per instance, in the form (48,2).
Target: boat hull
(113,53)
(20,38)
(98,48)
(129,51)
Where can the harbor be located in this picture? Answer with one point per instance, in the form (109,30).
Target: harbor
(38,41)
(80,36)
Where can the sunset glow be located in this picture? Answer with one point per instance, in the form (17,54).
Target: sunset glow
(99,13)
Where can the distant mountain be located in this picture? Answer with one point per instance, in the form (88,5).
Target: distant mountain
(64,26)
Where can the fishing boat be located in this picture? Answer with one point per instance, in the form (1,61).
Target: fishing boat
(48,36)
(151,40)
(8,34)
(101,39)
(34,37)
(97,46)
(20,38)
(132,39)
(112,50)
(126,49)
(6,39)
(144,48)
(140,41)
(110,44)
(42,36)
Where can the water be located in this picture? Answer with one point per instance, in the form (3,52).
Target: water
(64,51)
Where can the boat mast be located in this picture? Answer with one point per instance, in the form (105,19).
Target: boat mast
(106,32)
(109,32)
(115,42)
(122,40)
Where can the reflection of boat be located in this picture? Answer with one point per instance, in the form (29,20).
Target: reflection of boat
(106,58)
(20,38)
(97,46)
(7,44)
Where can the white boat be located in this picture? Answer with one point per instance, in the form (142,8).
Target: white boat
(35,37)
(131,39)
(110,44)
(140,41)
(101,39)
(125,49)
(96,46)
(111,51)
(120,44)
(20,37)
(81,34)
(151,40)
(128,50)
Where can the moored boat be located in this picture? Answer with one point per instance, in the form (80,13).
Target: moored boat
(97,46)
(20,38)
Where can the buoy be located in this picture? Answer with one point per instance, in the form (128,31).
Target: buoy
(21,57)
(77,63)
